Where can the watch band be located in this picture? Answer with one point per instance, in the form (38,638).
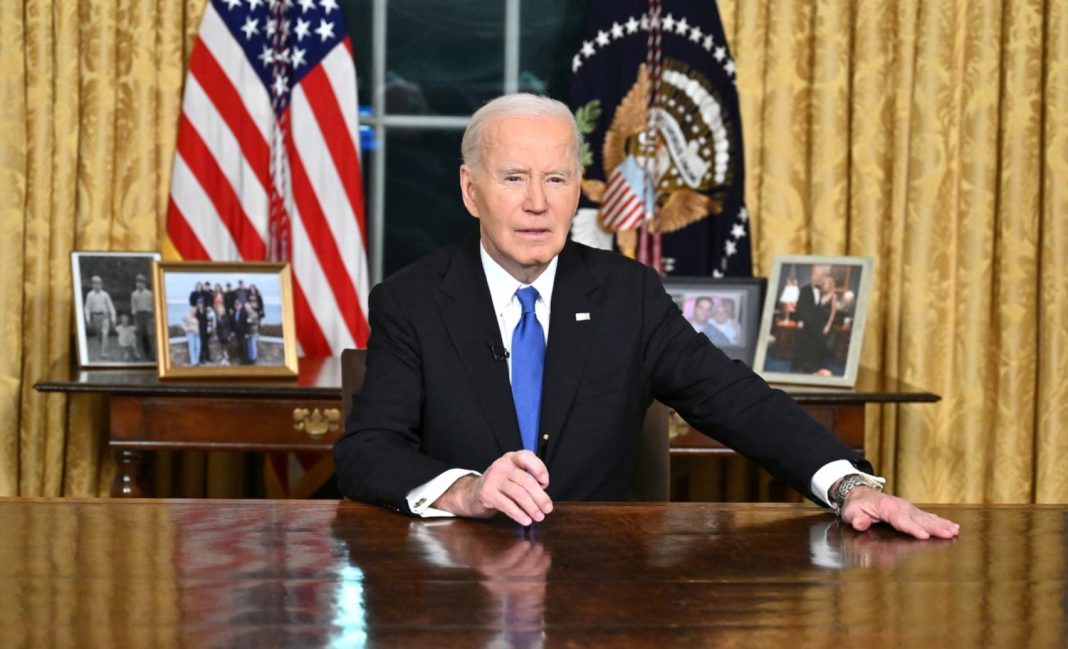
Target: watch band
(847,484)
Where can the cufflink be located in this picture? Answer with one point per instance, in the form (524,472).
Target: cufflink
(420,502)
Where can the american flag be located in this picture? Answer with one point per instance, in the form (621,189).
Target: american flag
(268,162)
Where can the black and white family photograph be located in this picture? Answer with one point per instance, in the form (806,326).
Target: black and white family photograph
(114,308)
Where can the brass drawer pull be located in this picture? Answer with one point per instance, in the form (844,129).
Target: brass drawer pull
(316,422)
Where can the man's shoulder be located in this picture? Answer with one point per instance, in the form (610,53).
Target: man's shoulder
(608,264)
(426,272)
(601,258)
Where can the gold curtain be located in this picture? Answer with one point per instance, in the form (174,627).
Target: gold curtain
(933,136)
(90,93)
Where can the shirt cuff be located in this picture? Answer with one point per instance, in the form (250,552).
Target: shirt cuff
(832,472)
(420,498)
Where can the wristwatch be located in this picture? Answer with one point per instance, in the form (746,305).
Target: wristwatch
(847,484)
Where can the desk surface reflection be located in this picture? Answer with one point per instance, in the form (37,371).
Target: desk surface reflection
(211,573)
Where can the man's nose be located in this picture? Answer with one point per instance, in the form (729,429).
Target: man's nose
(536,198)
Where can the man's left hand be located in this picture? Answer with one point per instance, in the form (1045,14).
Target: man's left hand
(864,506)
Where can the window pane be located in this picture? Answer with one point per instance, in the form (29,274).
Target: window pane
(358,24)
(367,161)
(423,206)
(444,58)
(549,34)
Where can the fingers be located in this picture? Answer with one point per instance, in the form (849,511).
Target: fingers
(939,527)
(907,523)
(861,522)
(533,465)
(521,497)
(510,508)
(923,525)
(514,485)
(868,507)
(906,517)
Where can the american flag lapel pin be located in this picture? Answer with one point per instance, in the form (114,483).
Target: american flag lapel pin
(579,317)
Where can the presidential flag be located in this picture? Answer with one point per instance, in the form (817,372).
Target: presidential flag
(268,162)
(653,90)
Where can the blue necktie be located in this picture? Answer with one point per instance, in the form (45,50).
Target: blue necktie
(528,365)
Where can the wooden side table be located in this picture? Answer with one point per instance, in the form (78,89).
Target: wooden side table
(146,414)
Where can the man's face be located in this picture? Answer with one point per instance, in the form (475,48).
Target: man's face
(818,273)
(525,192)
(701,311)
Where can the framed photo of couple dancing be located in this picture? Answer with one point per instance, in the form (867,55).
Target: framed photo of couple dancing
(812,328)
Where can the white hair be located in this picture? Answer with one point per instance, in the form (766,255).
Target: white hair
(520,104)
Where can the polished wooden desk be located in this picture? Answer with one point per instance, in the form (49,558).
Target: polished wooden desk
(158,573)
(146,414)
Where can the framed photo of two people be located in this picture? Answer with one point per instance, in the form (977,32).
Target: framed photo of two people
(727,310)
(114,308)
(812,328)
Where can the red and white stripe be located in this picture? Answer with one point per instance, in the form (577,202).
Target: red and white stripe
(621,207)
(221,187)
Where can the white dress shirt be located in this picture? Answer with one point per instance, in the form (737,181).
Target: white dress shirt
(502,287)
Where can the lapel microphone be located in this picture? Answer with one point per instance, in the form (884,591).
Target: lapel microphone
(499,353)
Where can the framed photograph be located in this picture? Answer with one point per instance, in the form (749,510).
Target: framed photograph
(727,310)
(114,308)
(225,320)
(813,324)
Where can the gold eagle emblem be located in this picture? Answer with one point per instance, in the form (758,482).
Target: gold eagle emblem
(680,191)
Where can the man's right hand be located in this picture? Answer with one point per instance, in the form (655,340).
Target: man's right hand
(513,485)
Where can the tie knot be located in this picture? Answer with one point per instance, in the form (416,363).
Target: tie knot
(527,297)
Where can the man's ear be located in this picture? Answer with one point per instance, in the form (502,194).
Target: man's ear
(467,190)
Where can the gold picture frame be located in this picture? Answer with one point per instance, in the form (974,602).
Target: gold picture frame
(242,327)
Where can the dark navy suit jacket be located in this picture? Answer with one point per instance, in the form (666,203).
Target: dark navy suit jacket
(436,396)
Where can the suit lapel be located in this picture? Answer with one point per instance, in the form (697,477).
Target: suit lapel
(570,341)
(467,310)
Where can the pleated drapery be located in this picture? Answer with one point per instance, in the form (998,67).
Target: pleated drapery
(933,136)
(90,93)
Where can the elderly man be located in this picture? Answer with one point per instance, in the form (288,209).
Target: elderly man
(515,368)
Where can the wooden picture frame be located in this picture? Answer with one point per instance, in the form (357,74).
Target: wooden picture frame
(827,352)
(114,328)
(247,330)
(731,317)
